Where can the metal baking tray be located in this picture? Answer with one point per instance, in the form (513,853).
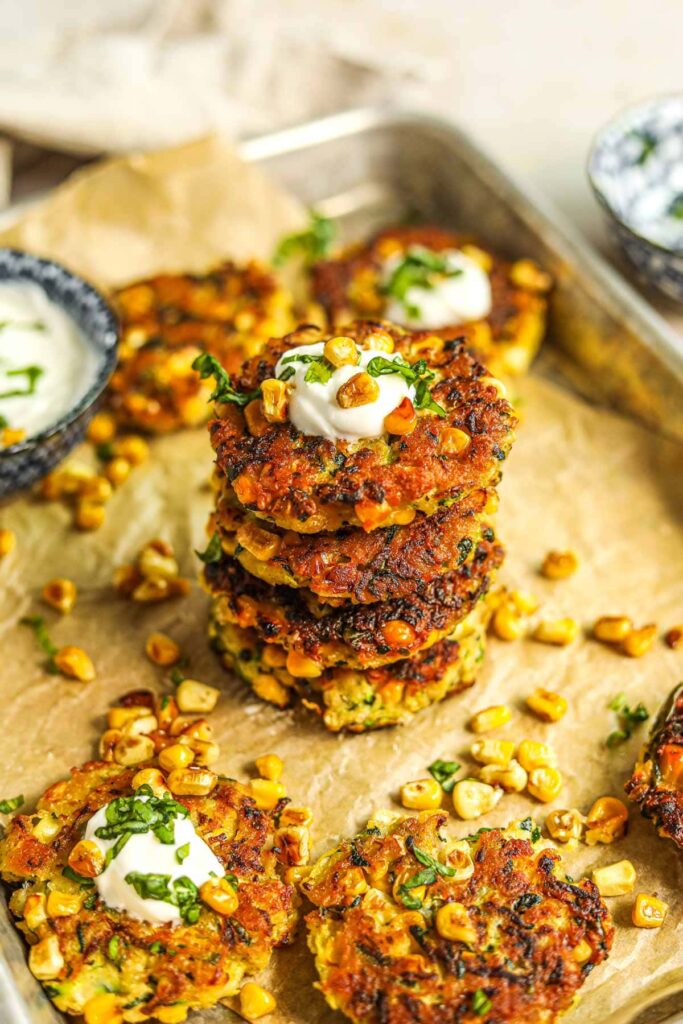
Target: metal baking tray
(372,167)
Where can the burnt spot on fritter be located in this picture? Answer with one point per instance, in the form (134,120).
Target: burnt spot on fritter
(656,784)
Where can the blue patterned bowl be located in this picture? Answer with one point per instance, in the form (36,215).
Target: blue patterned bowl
(635,168)
(22,464)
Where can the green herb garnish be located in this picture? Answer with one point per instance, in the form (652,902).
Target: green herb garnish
(113,948)
(444,772)
(182,853)
(419,375)
(529,826)
(176,676)
(208,366)
(181,892)
(32,374)
(629,719)
(73,876)
(676,207)
(129,815)
(12,803)
(312,244)
(37,624)
(213,550)
(157,947)
(481,1004)
(648,143)
(419,268)
(432,863)
(319,369)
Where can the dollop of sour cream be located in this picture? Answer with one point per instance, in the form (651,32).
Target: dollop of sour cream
(450,300)
(46,364)
(313,406)
(145,854)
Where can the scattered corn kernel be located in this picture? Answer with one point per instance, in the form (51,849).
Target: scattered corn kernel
(89,515)
(177,755)
(266,793)
(532,754)
(507,623)
(606,821)
(270,766)
(61,594)
(97,490)
(75,663)
(63,904)
(549,706)
(220,896)
(274,397)
(421,795)
(615,879)
(86,858)
(582,951)
(302,667)
(197,729)
(558,565)
(205,752)
(151,777)
(361,389)
(490,718)
(380,341)
(511,777)
(398,633)
(559,632)
(565,825)
(191,781)
(108,741)
(639,641)
(545,783)
(195,697)
(341,351)
(453,923)
(454,440)
(156,561)
(257,424)
(35,913)
(498,752)
(526,274)
(8,542)
(102,428)
(274,656)
(612,629)
(132,750)
(45,959)
(402,420)
(117,470)
(133,448)
(459,858)
(525,602)
(256,1001)
(160,649)
(648,911)
(260,543)
(269,688)
(105,1008)
(296,816)
(471,798)
(293,845)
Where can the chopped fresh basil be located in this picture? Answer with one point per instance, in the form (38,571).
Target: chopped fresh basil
(157,947)
(182,853)
(648,143)
(32,374)
(418,375)
(176,676)
(418,268)
(529,826)
(113,948)
(181,892)
(444,772)
(37,624)
(319,368)
(676,207)
(481,1004)
(430,862)
(232,879)
(213,550)
(73,876)
(12,803)
(312,244)
(129,815)
(208,366)
(629,719)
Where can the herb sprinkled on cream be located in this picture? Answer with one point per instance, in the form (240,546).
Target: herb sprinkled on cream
(429,290)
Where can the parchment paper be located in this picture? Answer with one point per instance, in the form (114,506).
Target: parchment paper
(578,477)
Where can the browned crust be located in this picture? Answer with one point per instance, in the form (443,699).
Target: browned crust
(310,483)
(656,784)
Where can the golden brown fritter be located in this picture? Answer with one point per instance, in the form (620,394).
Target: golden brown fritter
(352,699)
(657,781)
(150,968)
(355,636)
(308,484)
(506,341)
(168,320)
(515,944)
(352,565)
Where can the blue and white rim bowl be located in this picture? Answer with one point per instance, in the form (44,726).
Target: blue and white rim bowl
(634,163)
(23,464)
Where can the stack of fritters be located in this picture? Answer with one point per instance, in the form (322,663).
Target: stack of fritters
(355,573)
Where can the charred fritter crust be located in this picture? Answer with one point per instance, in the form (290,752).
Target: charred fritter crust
(308,484)
(352,565)
(167,321)
(657,781)
(529,937)
(506,341)
(192,965)
(354,700)
(356,636)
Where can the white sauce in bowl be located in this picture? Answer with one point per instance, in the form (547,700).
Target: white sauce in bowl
(146,854)
(46,363)
(448,301)
(313,406)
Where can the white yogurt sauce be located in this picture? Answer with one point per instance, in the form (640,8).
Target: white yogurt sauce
(452,300)
(144,853)
(313,407)
(36,332)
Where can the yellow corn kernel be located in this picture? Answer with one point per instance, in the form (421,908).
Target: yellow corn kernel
(507,623)
(511,777)
(545,783)
(156,561)
(292,844)
(167,712)
(108,741)
(454,440)
(8,542)
(269,688)
(549,706)
(63,904)
(133,448)
(160,649)
(532,754)
(86,858)
(295,875)
(497,752)
(380,341)
(558,565)
(302,667)
(60,593)
(205,752)
(177,755)
(45,959)
(171,1014)
(270,766)
(102,428)
(453,923)
(526,274)
(89,515)
(612,629)
(639,641)
(151,777)
(274,656)
(218,894)
(361,389)
(402,420)
(199,729)
(257,424)
(266,793)
(494,382)
(274,398)
(35,913)
(256,1001)
(421,795)
(559,632)
(459,858)
(46,828)
(73,476)
(132,750)
(648,911)
(96,491)
(117,471)
(341,351)
(582,951)
(75,663)
(606,821)
(296,816)
(142,726)
(104,1008)
(565,825)
(118,717)
(525,602)
(194,697)
(191,781)
(490,718)
(615,879)
(471,798)
(398,633)
(260,543)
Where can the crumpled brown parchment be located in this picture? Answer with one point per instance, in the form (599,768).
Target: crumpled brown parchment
(579,477)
